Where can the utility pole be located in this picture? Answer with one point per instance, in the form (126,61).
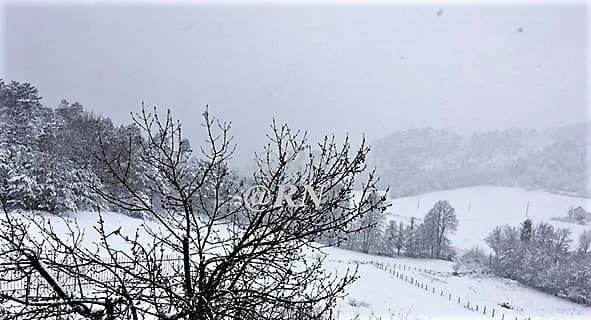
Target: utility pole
(527,209)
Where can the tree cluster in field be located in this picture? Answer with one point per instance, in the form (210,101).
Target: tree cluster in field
(426,239)
(539,256)
(46,154)
(422,160)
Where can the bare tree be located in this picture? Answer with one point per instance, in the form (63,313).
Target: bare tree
(439,222)
(206,255)
(584,244)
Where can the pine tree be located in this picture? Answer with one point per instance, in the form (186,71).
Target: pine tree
(411,243)
(526,230)
(394,237)
(4,176)
(368,237)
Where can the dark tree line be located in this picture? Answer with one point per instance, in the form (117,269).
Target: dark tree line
(539,256)
(428,238)
(48,154)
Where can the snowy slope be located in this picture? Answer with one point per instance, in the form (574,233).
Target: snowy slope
(377,294)
(480,209)
(380,295)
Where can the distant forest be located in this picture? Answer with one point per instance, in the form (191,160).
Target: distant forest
(423,160)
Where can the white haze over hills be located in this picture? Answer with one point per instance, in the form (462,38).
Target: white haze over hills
(423,160)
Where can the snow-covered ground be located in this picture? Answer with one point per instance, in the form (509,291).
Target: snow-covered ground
(480,209)
(378,294)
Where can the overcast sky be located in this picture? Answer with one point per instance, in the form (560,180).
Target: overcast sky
(340,68)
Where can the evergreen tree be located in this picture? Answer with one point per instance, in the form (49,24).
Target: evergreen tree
(368,236)
(394,237)
(411,247)
(49,155)
(526,230)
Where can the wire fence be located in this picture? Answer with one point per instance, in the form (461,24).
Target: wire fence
(397,271)
(170,267)
(90,277)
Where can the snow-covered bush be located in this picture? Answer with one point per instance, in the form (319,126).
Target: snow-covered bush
(539,256)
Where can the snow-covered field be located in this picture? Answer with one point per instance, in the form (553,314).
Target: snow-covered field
(480,209)
(379,294)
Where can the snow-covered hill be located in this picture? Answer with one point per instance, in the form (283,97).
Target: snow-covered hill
(480,209)
(380,295)
(423,160)
(389,294)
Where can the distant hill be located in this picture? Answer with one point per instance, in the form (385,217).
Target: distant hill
(422,160)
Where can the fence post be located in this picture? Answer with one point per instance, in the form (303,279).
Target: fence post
(458,300)
(28,285)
